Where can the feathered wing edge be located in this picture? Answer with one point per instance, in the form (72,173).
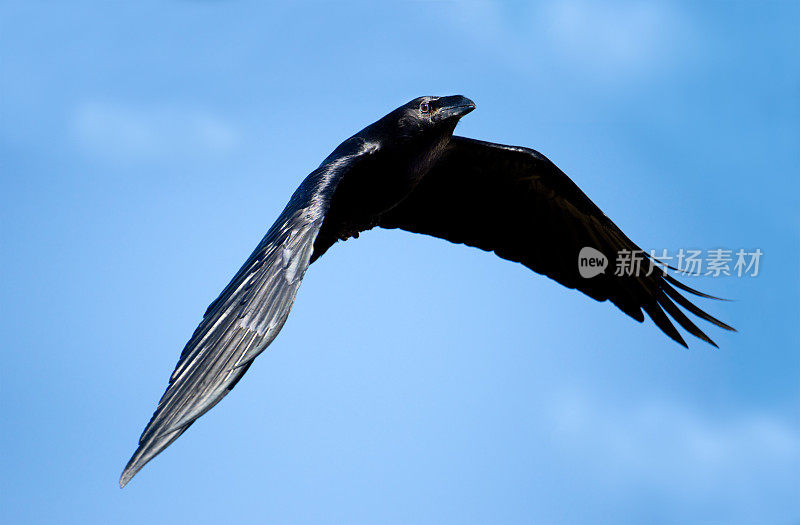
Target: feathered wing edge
(249,312)
(516,203)
(238,326)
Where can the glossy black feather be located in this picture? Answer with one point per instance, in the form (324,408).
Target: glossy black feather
(248,314)
(406,171)
(517,203)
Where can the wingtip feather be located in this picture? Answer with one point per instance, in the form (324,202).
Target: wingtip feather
(148,449)
(691,290)
(688,305)
(130,470)
(682,320)
(662,321)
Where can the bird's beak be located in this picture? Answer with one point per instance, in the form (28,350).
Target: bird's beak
(454,107)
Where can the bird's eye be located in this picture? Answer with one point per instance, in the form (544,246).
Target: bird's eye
(424,107)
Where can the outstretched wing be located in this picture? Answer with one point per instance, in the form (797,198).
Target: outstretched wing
(248,314)
(515,202)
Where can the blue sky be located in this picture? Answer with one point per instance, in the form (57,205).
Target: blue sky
(145,149)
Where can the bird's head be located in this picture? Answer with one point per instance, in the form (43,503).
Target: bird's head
(431,114)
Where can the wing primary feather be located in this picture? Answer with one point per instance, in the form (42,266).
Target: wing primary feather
(682,320)
(690,290)
(662,321)
(684,302)
(515,202)
(248,314)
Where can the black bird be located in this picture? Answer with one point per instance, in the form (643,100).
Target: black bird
(408,171)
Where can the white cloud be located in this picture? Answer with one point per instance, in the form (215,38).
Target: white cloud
(675,447)
(613,38)
(118,131)
(603,42)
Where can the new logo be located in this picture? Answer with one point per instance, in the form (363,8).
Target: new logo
(591,262)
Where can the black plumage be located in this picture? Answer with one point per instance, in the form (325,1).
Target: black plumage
(408,171)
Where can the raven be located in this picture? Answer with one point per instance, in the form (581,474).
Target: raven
(408,171)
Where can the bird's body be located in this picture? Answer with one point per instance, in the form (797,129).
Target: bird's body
(395,161)
(408,171)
